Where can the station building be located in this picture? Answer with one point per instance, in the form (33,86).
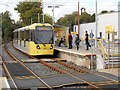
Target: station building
(104,21)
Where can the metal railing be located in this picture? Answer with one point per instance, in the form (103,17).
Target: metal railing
(102,49)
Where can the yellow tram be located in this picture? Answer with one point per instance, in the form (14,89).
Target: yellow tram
(35,39)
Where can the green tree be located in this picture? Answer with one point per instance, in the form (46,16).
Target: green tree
(104,11)
(93,18)
(72,19)
(30,10)
(8,26)
(68,20)
(85,18)
(48,19)
(112,11)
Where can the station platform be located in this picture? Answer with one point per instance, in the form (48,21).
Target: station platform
(78,57)
(82,51)
(81,57)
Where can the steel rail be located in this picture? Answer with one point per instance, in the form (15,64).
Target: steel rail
(82,70)
(70,66)
(28,69)
(8,73)
(94,86)
(62,71)
(42,62)
(76,69)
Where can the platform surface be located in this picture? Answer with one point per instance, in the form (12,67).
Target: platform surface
(81,51)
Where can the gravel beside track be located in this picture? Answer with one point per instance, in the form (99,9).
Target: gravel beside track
(16,53)
(37,68)
(40,69)
(63,68)
(6,57)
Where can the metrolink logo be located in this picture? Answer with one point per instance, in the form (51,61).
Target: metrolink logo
(31,0)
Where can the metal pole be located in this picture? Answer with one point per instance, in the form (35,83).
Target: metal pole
(1,33)
(91,58)
(96,18)
(108,50)
(78,19)
(53,15)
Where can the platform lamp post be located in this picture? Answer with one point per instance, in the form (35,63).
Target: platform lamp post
(78,19)
(96,21)
(53,7)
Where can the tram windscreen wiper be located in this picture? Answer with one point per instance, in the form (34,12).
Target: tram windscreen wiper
(51,39)
(41,41)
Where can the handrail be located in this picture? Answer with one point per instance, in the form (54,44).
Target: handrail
(102,48)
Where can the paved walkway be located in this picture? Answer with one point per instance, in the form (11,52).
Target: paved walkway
(114,71)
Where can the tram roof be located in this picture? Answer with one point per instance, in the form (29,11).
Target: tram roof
(32,26)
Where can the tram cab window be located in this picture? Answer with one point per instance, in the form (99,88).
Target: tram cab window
(44,37)
(43,28)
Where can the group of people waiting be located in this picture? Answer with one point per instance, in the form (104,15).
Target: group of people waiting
(77,41)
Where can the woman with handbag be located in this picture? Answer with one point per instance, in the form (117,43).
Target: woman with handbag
(77,41)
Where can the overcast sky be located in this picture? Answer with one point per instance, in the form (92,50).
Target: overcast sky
(68,6)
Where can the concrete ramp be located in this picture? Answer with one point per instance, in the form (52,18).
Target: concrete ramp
(4,83)
(100,62)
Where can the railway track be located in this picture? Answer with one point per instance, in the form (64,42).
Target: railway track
(82,70)
(53,84)
(20,69)
(73,69)
(64,73)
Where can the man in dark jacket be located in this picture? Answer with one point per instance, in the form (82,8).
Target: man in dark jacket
(87,41)
(70,40)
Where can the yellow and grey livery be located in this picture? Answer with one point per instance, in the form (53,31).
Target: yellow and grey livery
(35,39)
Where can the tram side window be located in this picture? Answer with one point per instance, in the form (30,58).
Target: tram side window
(19,35)
(32,35)
(22,35)
(27,35)
(15,35)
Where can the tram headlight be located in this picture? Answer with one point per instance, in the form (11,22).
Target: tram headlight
(51,47)
(38,47)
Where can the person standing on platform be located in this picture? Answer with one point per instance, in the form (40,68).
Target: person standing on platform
(70,40)
(77,41)
(64,41)
(60,42)
(87,41)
